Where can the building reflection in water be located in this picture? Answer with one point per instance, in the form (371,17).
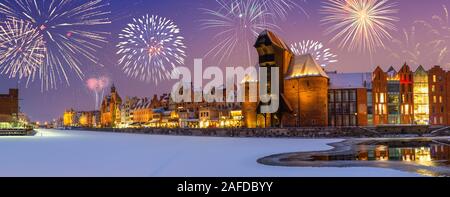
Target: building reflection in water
(433,152)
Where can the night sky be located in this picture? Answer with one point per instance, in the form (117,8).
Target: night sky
(47,105)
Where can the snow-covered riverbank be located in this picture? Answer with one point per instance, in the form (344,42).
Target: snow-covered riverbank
(80,153)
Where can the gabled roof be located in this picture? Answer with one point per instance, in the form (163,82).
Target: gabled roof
(274,39)
(391,71)
(420,69)
(305,66)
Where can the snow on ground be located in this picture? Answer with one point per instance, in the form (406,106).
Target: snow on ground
(79,153)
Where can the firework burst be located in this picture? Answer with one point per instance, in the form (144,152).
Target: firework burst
(21,49)
(237,23)
(408,47)
(361,25)
(438,34)
(323,55)
(150,48)
(425,43)
(97,85)
(281,8)
(66,27)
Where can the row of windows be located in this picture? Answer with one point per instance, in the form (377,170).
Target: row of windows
(436,78)
(404,88)
(437,120)
(434,109)
(433,88)
(342,96)
(381,109)
(204,114)
(342,108)
(435,99)
(343,120)
(406,77)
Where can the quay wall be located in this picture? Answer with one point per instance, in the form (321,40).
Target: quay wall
(325,132)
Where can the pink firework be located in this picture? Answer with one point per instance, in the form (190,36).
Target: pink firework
(97,85)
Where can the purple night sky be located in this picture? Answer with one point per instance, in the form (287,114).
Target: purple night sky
(47,105)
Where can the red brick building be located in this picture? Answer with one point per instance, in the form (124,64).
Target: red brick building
(437,88)
(380,91)
(406,95)
(9,106)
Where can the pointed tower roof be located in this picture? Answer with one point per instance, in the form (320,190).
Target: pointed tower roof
(272,39)
(392,73)
(392,69)
(420,70)
(378,68)
(305,66)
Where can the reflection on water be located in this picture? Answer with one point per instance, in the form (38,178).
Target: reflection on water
(424,152)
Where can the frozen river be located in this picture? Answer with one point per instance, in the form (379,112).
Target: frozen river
(58,153)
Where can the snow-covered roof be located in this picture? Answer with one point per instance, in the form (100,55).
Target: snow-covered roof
(350,80)
(305,66)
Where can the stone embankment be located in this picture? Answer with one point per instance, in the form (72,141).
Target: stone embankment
(325,132)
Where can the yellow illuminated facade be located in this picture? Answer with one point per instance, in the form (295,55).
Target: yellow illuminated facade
(69,118)
(235,120)
(421,97)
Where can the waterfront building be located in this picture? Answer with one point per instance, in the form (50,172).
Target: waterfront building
(306,88)
(70,118)
(406,95)
(9,108)
(89,119)
(209,118)
(86,119)
(437,85)
(393,96)
(303,86)
(446,98)
(421,97)
(187,118)
(232,119)
(348,99)
(110,109)
(250,104)
(273,53)
(418,98)
(142,111)
(379,97)
(126,112)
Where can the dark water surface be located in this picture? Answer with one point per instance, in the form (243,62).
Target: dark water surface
(429,157)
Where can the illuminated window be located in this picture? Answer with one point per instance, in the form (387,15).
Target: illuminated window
(382,100)
(421,107)
(434,78)
(440,99)
(433,88)
(434,99)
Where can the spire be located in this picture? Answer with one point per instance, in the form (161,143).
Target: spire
(113,88)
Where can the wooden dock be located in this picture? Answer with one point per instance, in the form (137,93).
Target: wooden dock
(17,132)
